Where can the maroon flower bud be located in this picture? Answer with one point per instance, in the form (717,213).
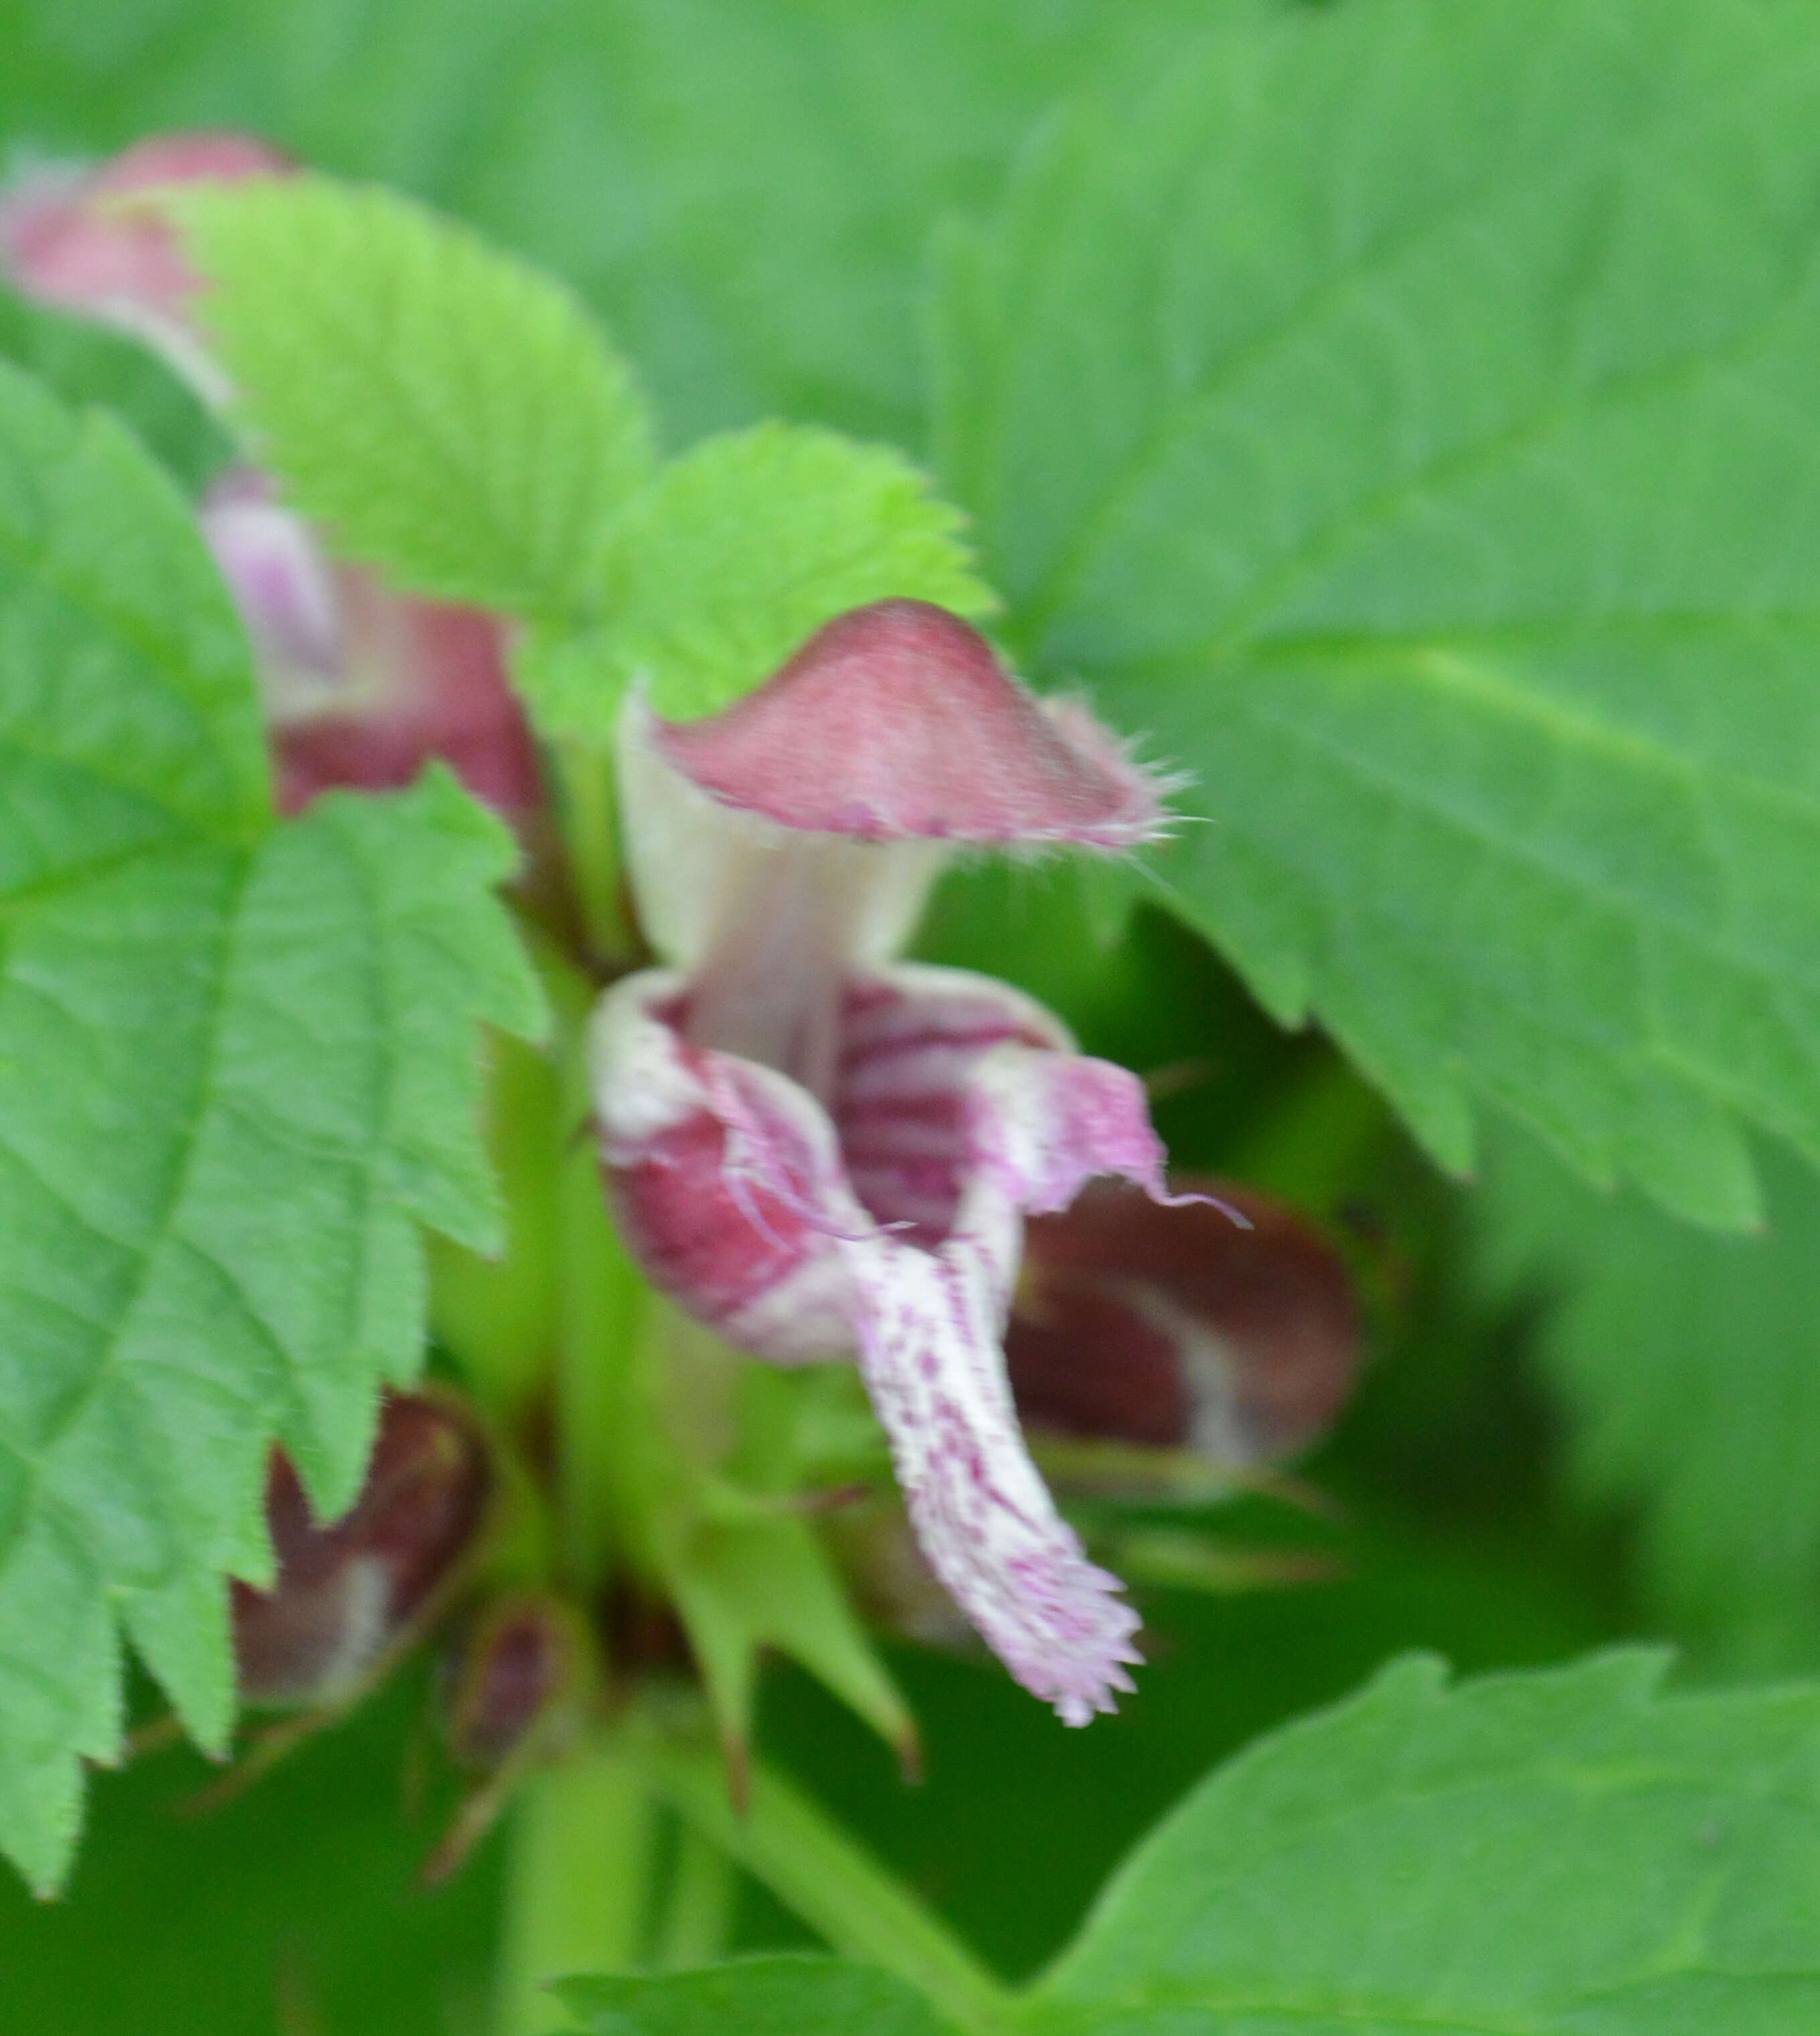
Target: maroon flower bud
(512,1677)
(350,1596)
(516,1688)
(1166,1324)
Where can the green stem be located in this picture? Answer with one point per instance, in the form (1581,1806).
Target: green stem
(578,1883)
(591,831)
(794,1848)
(699,1911)
(600,1301)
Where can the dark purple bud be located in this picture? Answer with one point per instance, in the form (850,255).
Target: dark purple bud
(512,1679)
(349,1596)
(1168,1325)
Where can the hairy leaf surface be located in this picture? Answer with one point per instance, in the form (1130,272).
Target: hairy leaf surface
(238,1068)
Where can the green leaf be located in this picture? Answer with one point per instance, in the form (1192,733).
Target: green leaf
(736,555)
(238,1067)
(1537,1854)
(786,1995)
(1690,1366)
(86,365)
(452,415)
(743,1585)
(743,187)
(1406,420)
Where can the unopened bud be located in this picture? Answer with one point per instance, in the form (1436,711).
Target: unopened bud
(101,243)
(516,1688)
(362,687)
(1172,1327)
(513,1678)
(349,1595)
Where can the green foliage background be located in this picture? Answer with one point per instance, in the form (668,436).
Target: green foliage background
(1586,1421)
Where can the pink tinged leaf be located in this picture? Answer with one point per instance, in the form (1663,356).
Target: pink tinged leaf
(101,243)
(1171,1326)
(895,723)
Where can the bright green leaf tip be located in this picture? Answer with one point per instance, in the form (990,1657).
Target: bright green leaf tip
(452,414)
(732,558)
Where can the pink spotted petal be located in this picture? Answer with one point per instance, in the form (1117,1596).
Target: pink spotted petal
(930,1327)
(99,243)
(895,723)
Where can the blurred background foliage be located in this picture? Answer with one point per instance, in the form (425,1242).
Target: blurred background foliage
(1581,1419)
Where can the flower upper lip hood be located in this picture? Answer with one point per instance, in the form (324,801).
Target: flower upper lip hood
(823,1152)
(895,723)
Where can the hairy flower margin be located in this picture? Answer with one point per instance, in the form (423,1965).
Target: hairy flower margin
(823,1152)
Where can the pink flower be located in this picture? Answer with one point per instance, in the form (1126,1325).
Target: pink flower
(361,685)
(825,1153)
(99,243)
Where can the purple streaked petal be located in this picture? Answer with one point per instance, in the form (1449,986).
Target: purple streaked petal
(726,1178)
(1046,1124)
(956,1105)
(895,723)
(911,1039)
